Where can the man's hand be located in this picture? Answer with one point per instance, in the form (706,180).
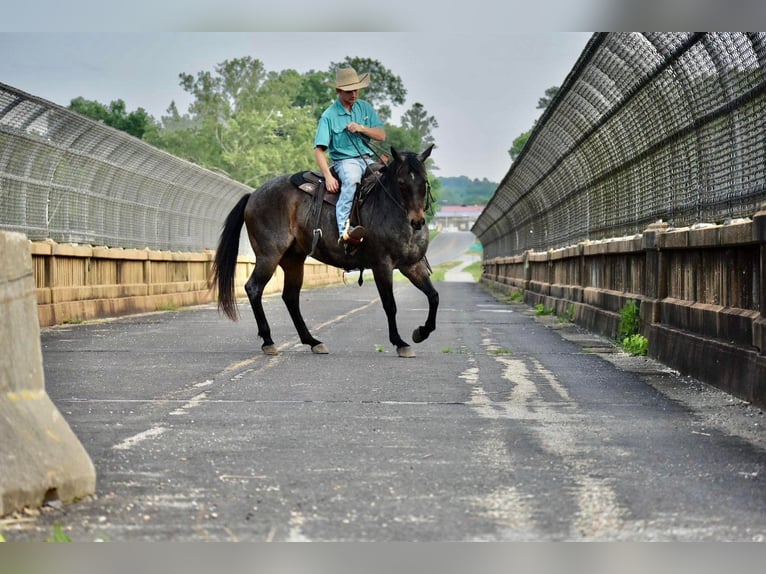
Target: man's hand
(331,184)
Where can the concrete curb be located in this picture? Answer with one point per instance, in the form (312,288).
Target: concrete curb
(40,457)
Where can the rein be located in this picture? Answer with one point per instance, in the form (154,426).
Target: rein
(378,179)
(428,195)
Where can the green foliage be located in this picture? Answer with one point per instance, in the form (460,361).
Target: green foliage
(115,115)
(499,351)
(517,296)
(438,271)
(251,123)
(474,269)
(58,535)
(568,317)
(541,309)
(629,330)
(546,100)
(630,320)
(518,145)
(465,191)
(636,344)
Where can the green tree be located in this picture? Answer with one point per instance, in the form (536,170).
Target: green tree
(418,121)
(252,124)
(414,132)
(518,144)
(546,100)
(244,121)
(115,115)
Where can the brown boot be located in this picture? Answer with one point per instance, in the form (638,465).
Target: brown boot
(352,235)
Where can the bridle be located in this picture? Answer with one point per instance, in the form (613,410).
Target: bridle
(429,198)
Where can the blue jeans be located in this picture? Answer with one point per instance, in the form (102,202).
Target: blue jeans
(350,172)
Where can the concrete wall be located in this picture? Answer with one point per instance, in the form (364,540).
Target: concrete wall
(700,290)
(40,457)
(76,282)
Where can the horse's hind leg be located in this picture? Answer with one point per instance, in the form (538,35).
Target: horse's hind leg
(254,288)
(291,292)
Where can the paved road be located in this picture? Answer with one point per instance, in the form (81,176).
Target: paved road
(454,246)
(506,426)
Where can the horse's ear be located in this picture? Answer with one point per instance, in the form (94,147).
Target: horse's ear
(424,156)
(395,155)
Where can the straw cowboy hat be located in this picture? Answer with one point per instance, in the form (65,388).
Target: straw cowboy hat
(347,80)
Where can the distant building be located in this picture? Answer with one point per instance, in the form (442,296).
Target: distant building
(456,217)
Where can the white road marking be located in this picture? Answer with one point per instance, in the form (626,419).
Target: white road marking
(140,437)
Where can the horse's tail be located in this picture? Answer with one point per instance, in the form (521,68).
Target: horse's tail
(225,263)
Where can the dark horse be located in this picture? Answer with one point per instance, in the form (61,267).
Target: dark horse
(280,226)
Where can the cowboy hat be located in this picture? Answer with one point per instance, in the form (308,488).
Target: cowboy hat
(347,80)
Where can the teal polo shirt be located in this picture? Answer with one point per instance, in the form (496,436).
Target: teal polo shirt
(332,134)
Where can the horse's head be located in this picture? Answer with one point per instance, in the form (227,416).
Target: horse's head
(409,170)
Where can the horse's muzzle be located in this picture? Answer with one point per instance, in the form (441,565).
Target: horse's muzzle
(417,224)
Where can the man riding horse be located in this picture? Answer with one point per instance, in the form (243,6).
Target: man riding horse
(338,133)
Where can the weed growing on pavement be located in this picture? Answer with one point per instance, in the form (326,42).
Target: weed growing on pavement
(58,535)
(636,345)
(629,330)
(499,351)
(568,317)
(516,297)
(630,320)
(541,309)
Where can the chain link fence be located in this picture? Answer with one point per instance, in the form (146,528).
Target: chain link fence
(646,126)
(74,180)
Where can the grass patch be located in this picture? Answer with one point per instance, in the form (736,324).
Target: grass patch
(58,535)
(439,271)
(516,297)
(568,317)
(474,269)
(541,310)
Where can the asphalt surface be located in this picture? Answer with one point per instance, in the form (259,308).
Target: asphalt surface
(506,426)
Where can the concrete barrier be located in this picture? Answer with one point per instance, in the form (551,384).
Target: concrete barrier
(40,457)
(79,282)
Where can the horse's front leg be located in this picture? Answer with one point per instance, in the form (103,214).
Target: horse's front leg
(419,275)
(384,281)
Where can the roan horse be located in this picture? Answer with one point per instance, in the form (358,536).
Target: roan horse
(280,227)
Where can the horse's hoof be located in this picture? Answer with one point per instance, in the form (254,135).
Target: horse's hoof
(417,337)
(405,352)
(320,349)
(270,350)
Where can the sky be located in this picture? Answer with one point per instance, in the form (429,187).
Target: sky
(482,88)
